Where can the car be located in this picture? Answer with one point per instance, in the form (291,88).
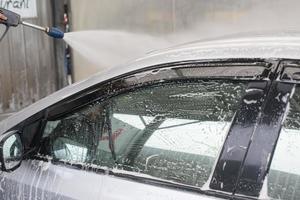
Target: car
(206,120)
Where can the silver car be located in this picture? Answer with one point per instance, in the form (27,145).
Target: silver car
(208,120)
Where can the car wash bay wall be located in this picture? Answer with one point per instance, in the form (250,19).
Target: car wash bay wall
(171,22)
(29,68)
(139,26)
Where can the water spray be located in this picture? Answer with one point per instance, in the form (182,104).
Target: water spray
(14,20)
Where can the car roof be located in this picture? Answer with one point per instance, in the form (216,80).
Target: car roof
(286,46)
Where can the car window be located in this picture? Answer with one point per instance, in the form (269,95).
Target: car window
(168,131)
(283,180)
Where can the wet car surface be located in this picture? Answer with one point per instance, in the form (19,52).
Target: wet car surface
(212,120)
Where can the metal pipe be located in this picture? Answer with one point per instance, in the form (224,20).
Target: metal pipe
(53,32)
(34,26)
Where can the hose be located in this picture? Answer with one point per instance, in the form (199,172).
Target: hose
(5,32)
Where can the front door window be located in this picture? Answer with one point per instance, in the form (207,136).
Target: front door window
(171,132)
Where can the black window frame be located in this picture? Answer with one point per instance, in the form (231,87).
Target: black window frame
(282,79)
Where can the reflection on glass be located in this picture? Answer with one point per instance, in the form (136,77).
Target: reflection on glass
(174,132)
(12,152)
(178,150)
(169,131)
(68,150)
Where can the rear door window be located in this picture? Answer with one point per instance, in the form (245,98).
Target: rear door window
(169,131)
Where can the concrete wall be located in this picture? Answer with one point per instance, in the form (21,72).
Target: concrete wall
(171,22)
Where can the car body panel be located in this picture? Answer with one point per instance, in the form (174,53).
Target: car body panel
(35,179)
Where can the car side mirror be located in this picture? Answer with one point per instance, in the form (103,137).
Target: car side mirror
(11,151)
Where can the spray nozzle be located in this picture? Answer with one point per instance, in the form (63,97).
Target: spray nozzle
(14,19)
(55,32)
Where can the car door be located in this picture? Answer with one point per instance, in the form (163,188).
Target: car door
(164,133)
(283,175)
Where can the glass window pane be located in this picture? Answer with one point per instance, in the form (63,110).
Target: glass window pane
(291,73)
(284,175)
(171,131)
(174,131)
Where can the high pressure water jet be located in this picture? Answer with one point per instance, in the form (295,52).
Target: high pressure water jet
(14,20)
